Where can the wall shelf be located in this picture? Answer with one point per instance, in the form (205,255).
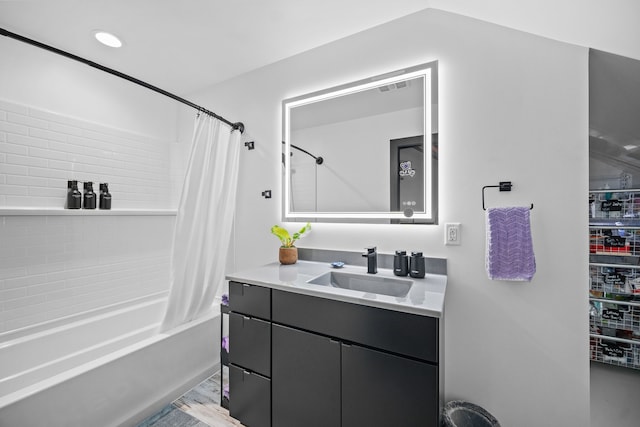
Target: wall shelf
(85,212)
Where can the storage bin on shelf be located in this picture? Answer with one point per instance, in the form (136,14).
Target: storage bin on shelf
(614,279)
(620,353)
(614,240)
(615,315)
(614,204)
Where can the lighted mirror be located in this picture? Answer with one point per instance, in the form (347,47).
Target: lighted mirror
(366,151)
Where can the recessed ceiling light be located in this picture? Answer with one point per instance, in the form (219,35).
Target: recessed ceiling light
(107,39)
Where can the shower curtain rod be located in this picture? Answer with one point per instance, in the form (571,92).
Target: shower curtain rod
(238,125)
(319,159)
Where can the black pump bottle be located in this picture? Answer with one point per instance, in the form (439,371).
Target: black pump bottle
(74,197)
(66,200)
(89,201)
(401,263)
(105,196)
(417,266)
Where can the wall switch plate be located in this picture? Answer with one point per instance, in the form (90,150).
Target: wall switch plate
(452,233)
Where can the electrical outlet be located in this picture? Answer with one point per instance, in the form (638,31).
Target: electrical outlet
(452,233)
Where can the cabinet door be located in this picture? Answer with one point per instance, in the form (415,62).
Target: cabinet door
(380,389)
(305,379)
(249,398)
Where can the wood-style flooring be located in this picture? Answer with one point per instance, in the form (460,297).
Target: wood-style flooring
(199,407)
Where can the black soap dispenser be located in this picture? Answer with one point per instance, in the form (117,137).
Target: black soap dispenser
(401,263)
(105,196)
(74,197)
(417,267)
(89,201)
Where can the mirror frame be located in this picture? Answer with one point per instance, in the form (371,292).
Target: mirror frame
(427,71)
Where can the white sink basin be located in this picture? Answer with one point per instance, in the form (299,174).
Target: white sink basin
(364,283)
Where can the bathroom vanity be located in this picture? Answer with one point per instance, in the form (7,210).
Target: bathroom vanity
(316,346)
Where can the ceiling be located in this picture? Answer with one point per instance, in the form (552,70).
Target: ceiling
(186,45)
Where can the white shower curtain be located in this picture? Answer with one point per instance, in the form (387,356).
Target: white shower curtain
(203,225)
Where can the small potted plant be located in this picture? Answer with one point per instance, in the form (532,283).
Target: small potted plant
(288,252)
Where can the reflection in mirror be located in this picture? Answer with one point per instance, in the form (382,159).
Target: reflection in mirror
(369,136)
(614,128)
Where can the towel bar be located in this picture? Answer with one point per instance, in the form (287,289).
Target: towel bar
(503,186)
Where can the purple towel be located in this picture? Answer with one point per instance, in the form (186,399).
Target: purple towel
(509,247)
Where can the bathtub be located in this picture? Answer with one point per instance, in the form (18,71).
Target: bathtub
(106,368)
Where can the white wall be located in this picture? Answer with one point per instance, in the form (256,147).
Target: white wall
(61,120)
(512,107)
(32,76)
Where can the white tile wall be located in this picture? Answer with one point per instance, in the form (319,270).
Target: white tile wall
(41,150)
(54,266)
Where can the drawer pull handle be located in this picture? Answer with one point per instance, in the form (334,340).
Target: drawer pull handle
(245,286)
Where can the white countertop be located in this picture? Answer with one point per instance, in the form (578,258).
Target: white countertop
(425,298)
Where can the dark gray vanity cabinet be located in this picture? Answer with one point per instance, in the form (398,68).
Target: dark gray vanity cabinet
(299,360)
(341,364)
(250,354)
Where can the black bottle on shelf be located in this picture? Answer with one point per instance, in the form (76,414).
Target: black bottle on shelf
(417,266)
(105,196)
(401,263)
(89,201)
(74,197)
(66,200)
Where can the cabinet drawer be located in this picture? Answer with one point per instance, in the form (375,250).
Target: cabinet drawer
(250,343)
(403,333)
(251,300)
(249,398)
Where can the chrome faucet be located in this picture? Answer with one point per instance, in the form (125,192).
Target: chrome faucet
(372,260)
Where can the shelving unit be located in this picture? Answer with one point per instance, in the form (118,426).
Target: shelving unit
(224,357)
(614,272)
